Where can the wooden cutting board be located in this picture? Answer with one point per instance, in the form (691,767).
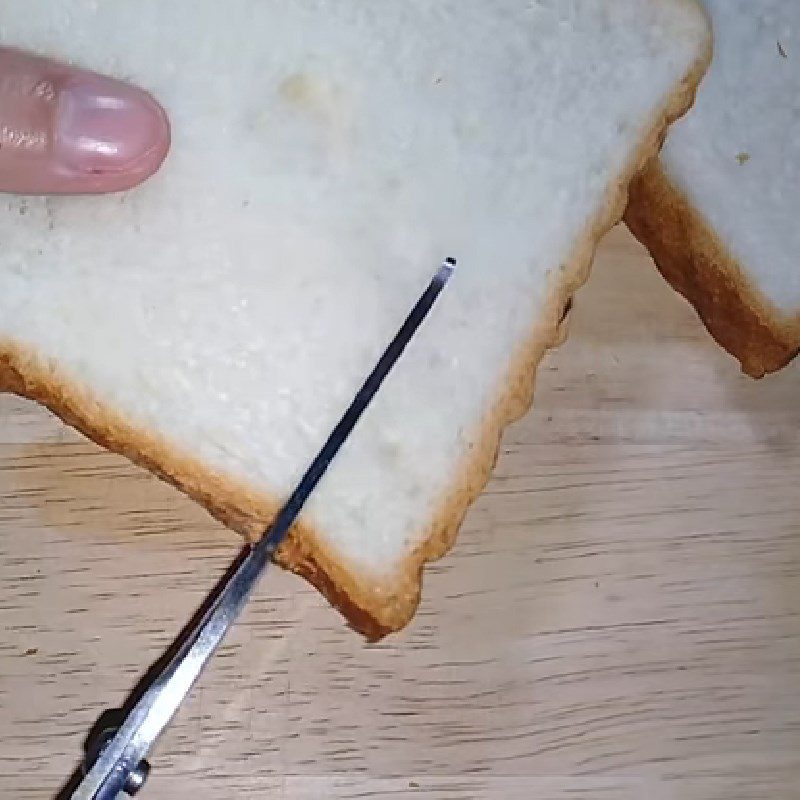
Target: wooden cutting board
(620,617)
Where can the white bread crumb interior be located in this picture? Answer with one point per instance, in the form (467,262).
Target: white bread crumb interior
(326,157)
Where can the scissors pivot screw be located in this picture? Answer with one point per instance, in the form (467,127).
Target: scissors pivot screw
(137,777)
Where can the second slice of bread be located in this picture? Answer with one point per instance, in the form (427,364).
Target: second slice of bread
(720,209)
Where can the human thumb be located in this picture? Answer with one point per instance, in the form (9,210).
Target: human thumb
(70,131)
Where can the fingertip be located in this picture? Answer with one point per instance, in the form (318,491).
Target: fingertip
(106,130)
(86,133)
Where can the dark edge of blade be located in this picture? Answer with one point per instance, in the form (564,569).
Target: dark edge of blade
(276,533)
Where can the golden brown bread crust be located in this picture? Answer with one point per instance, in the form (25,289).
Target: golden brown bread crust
(695,262)
(373,609)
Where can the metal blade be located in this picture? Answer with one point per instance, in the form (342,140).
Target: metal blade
(120,765)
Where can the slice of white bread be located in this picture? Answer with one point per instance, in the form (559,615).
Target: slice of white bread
(213,324)
(720,209)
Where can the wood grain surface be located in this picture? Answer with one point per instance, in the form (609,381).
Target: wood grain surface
(620,617)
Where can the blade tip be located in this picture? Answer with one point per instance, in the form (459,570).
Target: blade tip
(447,268)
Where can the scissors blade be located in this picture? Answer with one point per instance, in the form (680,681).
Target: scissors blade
(118,765)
